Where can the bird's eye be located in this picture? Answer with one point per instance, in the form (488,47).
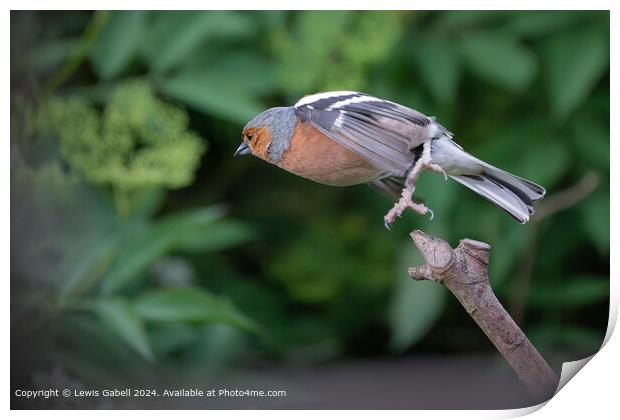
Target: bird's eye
(249,136)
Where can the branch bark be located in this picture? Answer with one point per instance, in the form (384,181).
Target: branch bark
(463,271)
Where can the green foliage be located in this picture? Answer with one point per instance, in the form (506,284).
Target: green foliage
(226,88)
(439,66)
(117,44)
(499,59)
(149,244)
(120,254)
(121,318)
(416,306)
(188,305)
(578,291)
(333,50)
(309,282)
(137,142)
(571,77)
(173,37)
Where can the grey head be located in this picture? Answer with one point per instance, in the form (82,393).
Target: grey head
(279,122)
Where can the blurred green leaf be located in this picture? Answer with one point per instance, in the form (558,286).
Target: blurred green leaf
(117,43)
(152,241)
(219,235)
(88,266)
(228,88)
(574,62)
(506,252)
(101,93)
(591,139)
(167,337)
(499,59)
(439,66)
(189,305)
(441,196)
(50,55)
(176,35)
(147,202)
(547,165)
(452,20)
(584,339)
(542,23)
(121,319)
(217,345)
(415,305)
(596,218)
(95,350)
(577,291)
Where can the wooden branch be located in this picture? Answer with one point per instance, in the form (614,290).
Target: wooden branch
(463,271)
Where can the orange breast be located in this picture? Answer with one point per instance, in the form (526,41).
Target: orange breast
(315,156)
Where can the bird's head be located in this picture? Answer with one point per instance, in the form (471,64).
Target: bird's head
(268,134)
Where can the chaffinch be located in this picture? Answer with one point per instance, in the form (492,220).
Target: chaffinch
(346,138)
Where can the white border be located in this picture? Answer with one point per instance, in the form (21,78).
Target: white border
(594,390)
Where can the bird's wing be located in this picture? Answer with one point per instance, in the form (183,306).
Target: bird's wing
(381,131)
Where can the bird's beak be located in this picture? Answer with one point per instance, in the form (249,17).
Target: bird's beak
(242,150)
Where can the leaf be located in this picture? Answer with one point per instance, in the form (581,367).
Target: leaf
(415,305)
(88,267)
(439,67)
(168,337)
(514,241)
(453,19)
(95,352)
(583,339)
(227,89)
(219,235)
(102,92)
(217,345)
(152,241)
(573,62)
(533,24)
(591,139)
(49,55)
(117,43)
(176,35)
(119,317)
(597,218)
(576,292)
(189,305)
(547,165)
(499,59)
(208,93)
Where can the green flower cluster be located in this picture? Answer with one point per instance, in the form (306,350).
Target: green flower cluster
(136,142)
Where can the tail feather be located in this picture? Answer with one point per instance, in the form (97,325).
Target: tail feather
(511,193)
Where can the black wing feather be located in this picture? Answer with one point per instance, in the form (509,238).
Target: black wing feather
(381,131)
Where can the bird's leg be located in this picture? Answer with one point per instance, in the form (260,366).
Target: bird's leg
(406,201)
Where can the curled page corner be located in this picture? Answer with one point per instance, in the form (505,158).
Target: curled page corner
(570,369)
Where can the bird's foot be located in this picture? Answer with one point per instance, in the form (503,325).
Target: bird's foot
(403,204)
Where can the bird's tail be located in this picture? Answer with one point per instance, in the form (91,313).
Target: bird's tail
(511,193)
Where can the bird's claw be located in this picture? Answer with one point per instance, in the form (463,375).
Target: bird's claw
(400,207)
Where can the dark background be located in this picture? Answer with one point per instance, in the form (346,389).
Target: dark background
(142,252)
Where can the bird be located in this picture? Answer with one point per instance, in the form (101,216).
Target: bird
(344,138)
